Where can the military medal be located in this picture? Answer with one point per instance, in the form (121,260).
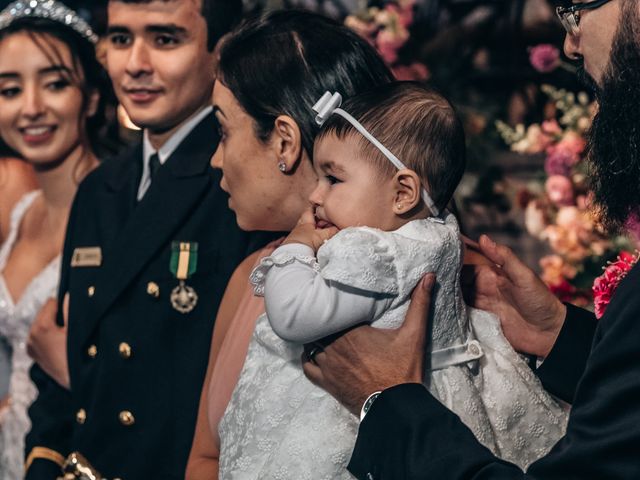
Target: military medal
(183,264)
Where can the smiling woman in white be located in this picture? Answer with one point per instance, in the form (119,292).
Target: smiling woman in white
(279,425)
(49,88)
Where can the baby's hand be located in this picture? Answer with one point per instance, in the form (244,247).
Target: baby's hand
(306,232)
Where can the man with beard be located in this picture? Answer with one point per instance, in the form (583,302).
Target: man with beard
(593,366)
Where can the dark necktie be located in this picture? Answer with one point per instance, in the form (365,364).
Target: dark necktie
(154,165)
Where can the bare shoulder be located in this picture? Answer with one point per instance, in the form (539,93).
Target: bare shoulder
(16,179)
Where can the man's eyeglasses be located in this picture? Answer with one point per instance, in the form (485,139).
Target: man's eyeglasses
(570,16)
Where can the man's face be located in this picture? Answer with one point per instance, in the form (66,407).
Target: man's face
(614,140)
(593,44)
(158,61)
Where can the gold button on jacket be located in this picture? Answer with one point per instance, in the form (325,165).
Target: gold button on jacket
(91,291)
(153,289)
(92,351)
(126,418)
(125,350)
(81,416)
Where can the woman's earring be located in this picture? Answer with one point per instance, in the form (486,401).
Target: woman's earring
(282,166)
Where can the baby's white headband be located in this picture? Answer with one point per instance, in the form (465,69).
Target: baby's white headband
(330,104)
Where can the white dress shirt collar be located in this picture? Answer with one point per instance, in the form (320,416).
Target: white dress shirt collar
(165,151)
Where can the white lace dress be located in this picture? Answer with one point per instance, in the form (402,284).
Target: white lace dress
(280,426)
(15,321)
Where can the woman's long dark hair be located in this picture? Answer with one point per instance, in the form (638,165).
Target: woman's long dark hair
(281,63)
(98,132)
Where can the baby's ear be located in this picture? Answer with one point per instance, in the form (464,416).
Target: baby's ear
(407,195)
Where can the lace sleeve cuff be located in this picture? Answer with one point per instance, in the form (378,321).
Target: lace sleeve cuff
(284,255)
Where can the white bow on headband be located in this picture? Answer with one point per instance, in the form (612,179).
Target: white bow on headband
(330,104)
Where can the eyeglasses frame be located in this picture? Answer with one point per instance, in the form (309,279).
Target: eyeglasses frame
(570,16)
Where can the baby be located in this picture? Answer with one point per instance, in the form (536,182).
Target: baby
(388,210)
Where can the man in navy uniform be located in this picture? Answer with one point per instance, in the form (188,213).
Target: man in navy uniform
(150,246)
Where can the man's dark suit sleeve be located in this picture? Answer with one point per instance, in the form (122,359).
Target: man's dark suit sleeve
(408,434)
(51,413)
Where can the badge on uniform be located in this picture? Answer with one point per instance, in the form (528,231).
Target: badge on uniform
(183,264)
(86,257)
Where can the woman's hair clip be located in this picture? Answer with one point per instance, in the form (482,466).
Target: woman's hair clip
(329,104)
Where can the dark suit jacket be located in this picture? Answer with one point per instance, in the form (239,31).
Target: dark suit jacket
(136,364)
(409,434)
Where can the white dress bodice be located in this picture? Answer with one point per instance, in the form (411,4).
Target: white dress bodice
(16,317)
(279,425)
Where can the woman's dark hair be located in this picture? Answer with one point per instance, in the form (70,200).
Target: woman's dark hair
(417,124)
(87,74)
(281,63)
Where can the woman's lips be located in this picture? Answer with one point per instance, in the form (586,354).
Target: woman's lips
(37,135)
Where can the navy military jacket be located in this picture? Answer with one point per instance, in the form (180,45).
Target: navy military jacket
(136,363)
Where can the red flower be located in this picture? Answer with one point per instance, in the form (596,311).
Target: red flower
(563,290)
(606,284)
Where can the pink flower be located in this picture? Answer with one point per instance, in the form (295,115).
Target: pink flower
(415,71)
(572,142)
(559,190)
(544,58)
(389,42)
(551,127)
(632,225)
(606,284)
(559,162)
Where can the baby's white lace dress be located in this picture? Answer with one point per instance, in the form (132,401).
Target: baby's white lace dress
(15,321)
(280,426)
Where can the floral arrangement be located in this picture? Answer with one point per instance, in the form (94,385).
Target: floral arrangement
(556,209)
(387,29)
(606,284)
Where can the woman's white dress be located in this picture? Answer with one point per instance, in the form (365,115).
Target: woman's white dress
(280,426)
(16,316)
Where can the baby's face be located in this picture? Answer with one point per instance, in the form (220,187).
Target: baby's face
(350,192)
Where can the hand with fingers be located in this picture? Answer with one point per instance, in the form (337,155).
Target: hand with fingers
(366,359)
(47,342)
(531,316)
(307,233)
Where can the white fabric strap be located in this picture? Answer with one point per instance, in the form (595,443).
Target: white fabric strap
(457,355)
(330,104)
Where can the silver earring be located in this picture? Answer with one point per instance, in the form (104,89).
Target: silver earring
(282,166)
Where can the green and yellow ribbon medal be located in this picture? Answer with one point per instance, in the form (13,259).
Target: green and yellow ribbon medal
(183,264)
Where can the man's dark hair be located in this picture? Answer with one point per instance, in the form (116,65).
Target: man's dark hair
(418,125)
(221,16)
(281,63)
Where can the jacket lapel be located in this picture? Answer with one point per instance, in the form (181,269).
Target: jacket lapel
(175,191)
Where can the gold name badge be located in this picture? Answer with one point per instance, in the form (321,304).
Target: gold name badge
(86,257)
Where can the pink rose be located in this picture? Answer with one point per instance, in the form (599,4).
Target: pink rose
(572,142)
(559,190)
(389,42)
(544,58)
(559,162)
(551,127)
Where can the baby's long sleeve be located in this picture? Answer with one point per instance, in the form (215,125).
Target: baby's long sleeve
(303,306)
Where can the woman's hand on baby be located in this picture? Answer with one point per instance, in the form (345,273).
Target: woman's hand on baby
(47,342)
(307,233)
(365,359)
(531,316)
